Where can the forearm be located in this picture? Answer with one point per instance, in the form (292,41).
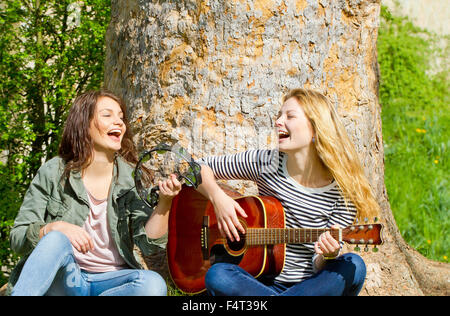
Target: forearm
(225,207)
(209,187)
(319,263)
(158,222)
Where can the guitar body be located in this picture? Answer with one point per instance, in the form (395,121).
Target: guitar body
(195,243)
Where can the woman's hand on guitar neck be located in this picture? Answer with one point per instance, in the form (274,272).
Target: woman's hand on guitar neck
(227,209)
(326,245)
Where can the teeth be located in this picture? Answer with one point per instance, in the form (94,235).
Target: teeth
(283,133)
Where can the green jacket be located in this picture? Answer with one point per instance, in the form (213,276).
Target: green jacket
(50,199)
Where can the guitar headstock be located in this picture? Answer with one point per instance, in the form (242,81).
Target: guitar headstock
(369,234)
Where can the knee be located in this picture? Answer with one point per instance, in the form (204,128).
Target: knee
(355,280)
(56,241)
(215,272)
(358,264)
(218,276)
(152,284)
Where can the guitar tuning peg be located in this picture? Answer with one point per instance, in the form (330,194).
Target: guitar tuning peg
(366,249)
(366,220)
(375,249)
(357,248)
(375,219)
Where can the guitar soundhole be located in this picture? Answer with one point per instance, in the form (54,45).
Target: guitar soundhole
(236,245)
(220,254)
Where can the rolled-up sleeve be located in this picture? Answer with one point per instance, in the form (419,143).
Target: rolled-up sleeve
(148,245)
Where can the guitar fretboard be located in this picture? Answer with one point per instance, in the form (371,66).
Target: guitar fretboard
(271,236)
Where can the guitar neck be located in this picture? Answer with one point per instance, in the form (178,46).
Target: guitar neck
(271,236)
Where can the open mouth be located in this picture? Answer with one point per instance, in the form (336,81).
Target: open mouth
(283,134)
(115,134)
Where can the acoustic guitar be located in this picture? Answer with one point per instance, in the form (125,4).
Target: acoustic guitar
(195,243)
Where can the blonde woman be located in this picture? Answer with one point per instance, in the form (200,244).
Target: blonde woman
(319,182)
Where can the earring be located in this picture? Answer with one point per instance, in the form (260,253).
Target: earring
(313,139)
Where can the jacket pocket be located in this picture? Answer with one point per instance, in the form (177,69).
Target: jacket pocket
(55,210)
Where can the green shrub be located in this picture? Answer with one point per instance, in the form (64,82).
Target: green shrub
(50,51)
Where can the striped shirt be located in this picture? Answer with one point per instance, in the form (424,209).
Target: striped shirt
(304,207)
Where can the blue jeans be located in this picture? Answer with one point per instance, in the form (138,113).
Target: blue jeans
(51,269)
(342,276)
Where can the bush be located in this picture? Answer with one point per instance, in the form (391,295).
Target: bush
(50,51)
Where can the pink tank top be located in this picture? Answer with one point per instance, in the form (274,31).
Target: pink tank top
(104,257)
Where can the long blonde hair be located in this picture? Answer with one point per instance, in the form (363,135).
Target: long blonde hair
(337,152)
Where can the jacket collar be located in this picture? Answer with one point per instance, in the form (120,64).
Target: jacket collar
(123,176)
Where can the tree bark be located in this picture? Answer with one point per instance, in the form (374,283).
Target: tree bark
(211,73)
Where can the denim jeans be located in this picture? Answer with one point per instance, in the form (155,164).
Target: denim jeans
(51,269)
(343,276)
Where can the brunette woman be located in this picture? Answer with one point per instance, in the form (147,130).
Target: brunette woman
(81,215)
(320,183)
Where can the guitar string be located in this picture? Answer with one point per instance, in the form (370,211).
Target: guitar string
(261,236)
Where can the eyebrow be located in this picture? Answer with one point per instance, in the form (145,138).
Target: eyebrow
(109,110)
(288,111)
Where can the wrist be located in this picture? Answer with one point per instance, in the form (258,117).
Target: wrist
(329,257)
(53,226)
(45,229)
(216,195)
(332,256)
(164,204)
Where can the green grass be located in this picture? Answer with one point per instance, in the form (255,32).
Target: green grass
(415,116)
(416,177)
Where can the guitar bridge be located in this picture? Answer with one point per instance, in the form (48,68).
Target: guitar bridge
(204,238)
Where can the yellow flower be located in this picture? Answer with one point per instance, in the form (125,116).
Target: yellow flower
(419,130)
(429,242)
(436,161)
(445,258)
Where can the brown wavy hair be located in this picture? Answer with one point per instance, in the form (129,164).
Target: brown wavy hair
(337,151)
(76,145)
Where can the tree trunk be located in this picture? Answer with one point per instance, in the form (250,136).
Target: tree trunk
(211,73)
